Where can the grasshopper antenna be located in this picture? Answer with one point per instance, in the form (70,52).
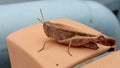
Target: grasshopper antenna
(42,21)
(39,20)
(42,15)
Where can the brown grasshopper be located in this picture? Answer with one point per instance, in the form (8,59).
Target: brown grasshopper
(67,35)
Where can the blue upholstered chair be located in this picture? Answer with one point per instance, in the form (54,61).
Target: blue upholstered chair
(17,16)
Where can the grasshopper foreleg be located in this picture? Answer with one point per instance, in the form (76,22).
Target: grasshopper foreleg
(43,46)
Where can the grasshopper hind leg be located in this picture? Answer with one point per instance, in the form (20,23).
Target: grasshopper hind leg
(43,47)
(68,50)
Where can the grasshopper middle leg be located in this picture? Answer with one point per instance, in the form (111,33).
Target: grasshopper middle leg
(69,48)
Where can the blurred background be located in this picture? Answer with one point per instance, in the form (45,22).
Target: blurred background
(113,5)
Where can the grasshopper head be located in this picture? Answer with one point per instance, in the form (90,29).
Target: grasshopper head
(48,29)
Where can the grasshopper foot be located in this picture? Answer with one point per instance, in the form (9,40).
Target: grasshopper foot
(40,50)
(69,53)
